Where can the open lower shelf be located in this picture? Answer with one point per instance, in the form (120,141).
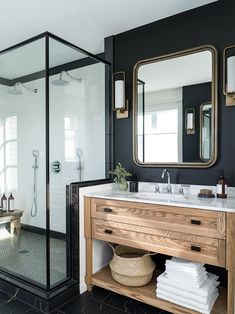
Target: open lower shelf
(147,294)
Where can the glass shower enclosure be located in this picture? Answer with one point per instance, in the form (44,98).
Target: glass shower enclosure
(53,131)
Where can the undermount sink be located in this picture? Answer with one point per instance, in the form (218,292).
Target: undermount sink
(156,196)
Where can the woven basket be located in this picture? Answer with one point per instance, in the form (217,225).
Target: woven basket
(131,267)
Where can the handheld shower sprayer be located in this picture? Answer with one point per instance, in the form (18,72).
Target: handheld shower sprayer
(79,154)
(34,206)
(36,153)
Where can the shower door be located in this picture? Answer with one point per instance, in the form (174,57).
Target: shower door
(77,140)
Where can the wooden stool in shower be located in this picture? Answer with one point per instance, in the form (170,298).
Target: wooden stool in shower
(13,218)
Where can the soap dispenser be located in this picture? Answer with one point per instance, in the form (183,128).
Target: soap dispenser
(222,186)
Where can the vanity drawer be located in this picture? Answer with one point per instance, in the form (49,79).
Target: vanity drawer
(180,219)
(192,247)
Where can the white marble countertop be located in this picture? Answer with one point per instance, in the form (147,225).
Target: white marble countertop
(188,200)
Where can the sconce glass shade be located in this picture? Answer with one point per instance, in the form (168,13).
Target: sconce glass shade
(231,75)
(119,98)
(190,119)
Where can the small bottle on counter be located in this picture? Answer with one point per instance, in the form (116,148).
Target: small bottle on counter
(4,203)
(222,186)
(11,205)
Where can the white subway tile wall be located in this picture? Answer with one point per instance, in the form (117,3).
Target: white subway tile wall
(77,127)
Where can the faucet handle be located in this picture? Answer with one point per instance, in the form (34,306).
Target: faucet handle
(157,189)
(168,189)
(181,190)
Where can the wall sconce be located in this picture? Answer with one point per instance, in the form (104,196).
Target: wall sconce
(120,103)
(190,120)
(229,75)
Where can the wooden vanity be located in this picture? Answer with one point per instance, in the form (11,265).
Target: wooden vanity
(205,236)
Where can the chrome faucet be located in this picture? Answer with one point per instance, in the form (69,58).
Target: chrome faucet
(168,187)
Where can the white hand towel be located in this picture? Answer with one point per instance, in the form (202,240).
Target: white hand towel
(175,261)
(206,309)
(206,289)
(184,293)
(192,272)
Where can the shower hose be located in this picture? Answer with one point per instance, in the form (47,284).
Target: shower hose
(34,206)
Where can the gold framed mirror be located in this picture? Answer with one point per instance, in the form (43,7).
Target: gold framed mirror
(168,93)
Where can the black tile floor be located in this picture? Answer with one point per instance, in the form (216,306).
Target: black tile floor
(99,301)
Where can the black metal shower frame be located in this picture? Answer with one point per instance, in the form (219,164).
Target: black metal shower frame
(47,36)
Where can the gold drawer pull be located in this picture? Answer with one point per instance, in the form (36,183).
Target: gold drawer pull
(108,210)
(195,248)
(108,231)
(195,222)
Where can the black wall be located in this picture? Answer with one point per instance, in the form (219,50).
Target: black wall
(212,24)
(193,97)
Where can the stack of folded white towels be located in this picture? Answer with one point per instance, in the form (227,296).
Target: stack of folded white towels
(188,284)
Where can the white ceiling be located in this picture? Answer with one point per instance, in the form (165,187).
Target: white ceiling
(83,22)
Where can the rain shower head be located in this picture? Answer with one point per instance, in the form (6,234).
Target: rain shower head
(62,82)
(16,91)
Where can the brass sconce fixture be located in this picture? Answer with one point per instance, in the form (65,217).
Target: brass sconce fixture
(229,75)
(190,121)
(120,103)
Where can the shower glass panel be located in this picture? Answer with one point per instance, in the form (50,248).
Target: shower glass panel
(76,142)
(23,161)
(54,131)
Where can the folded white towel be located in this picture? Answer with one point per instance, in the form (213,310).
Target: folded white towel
(185,294)
(187,271)
(196,282)
(204,291)
(205,309)
(185,275)
(179,262)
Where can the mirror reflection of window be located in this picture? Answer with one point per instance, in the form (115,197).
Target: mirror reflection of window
(162,119)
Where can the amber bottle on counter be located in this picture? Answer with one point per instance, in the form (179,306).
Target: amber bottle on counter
(222,186)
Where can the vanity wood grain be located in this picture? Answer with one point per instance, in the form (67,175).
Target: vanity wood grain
(171,230)
(210,223)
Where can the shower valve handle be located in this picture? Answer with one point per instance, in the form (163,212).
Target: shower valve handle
(56,166)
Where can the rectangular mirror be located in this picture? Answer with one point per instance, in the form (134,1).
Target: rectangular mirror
(175,109)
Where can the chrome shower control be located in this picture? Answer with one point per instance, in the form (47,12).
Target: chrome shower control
(56,166)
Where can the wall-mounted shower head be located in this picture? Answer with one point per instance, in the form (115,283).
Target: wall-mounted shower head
(16,91)
(62,82)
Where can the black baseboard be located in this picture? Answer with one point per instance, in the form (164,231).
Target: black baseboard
(53,234)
